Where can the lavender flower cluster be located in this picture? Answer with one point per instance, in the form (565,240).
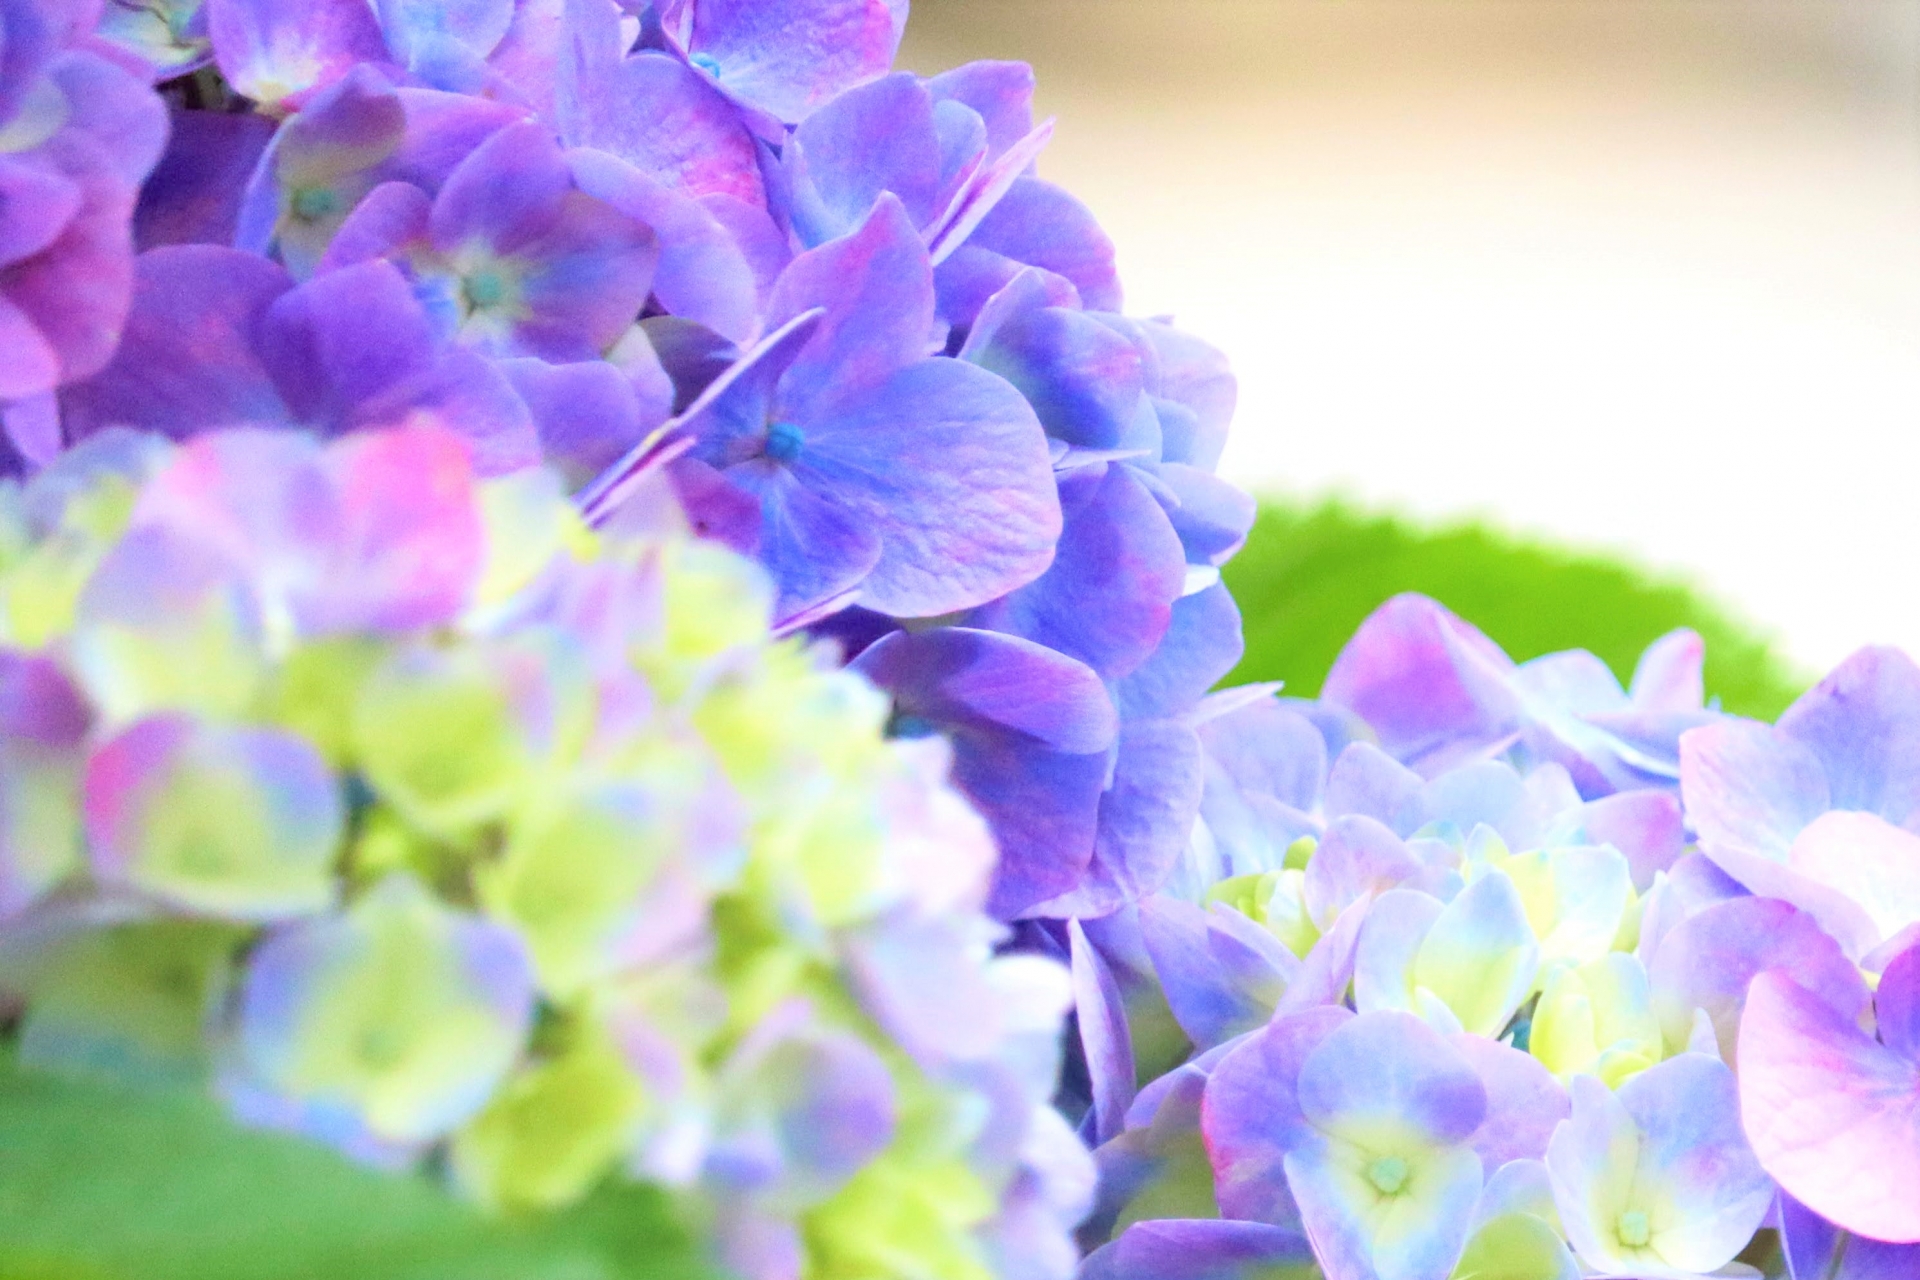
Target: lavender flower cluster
(870,346)
(394,398)
(1475,969)
(412,817)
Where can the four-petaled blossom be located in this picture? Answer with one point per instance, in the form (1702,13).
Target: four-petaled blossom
(1657,1179)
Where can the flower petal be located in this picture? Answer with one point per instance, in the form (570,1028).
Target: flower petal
(1831,1114)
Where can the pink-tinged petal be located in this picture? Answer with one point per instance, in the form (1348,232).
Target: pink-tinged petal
(29,366)
(1524,1102)
(790,57)
(1863,722)
(412,544)
(36,203)
(668,121)
(1668,676)
(1870,862)
(1251,1116)
(186,362)
(1832,1115)
(75,293)
(233,823)
(1749,788)
(1431,685)
(1645,826)
(276,51)
(1708,960)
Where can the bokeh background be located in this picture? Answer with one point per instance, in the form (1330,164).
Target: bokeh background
(1638,277)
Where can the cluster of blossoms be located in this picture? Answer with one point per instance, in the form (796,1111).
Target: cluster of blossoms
(414,817)
(1478,970)
(867,344)
(396,397)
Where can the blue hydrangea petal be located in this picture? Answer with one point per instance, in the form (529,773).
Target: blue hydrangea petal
(175,378)
(1202,644)
(789,57)
(669,121)
(877,138)
(1108,597)
(1199,1249)
(1863,723)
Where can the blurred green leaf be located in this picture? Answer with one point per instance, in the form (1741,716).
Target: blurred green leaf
(1312,572)
(99,1182)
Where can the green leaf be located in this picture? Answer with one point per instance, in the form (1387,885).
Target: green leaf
(1312,572)
(99,1182)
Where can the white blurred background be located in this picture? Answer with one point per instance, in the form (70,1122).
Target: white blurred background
(1639,275)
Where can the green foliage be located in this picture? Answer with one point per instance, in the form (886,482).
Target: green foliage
(99,1182)
(1311,573)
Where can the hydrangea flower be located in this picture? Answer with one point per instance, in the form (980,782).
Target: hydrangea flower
(477,841)
(1574,953)
(596,234)
(1834,1113)
(1657,1179)
(78,135)
(1814,810)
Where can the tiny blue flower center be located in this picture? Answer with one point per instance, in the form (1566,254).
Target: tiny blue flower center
(485,288)
(784,441)
(904,725)
(1635,1231)
(707,63)
(1388,1174)
(310,204)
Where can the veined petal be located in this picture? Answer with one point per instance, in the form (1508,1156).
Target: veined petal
(1832,1115)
